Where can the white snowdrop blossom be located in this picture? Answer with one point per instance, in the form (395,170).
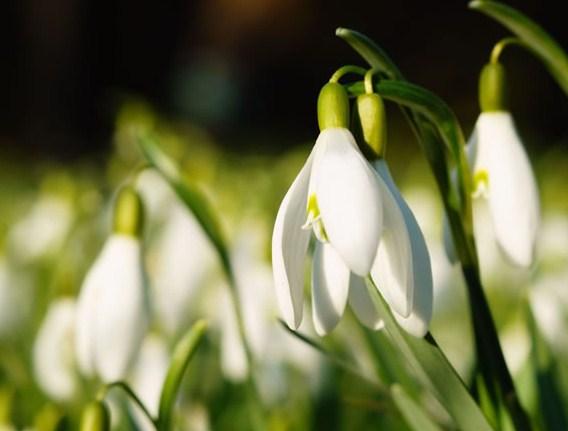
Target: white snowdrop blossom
(362,227)
(53,353)
(112,310)
(503,175)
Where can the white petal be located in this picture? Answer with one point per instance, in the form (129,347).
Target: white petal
(289,248)
(348,197)
(115,307)
(421,311)
(392,269)
(513,194)
(330,286)
(53,354)
(362,304)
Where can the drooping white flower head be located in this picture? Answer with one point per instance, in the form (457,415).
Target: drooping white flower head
(503,175)
(348,205)
(54,353)
(112,310)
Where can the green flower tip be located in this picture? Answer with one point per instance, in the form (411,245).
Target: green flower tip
(492,88)
(371,123)
(333,106)
(95,417)
(128,213)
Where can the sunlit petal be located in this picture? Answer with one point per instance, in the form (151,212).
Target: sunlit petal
(512,190)
(392,269)
(330,287)
(416,323)
(349,199)
(289,248)
(362,304)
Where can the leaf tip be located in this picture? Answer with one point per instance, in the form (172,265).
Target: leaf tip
(342,32)
(475,4)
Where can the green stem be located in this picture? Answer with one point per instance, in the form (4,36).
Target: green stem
(342,71)
(501,45)
(128,390)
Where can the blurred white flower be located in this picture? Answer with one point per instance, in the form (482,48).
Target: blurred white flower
(549,303)
(363,226)
(42,230)
(182,258)
(112,313)
(503,175)
(16,297)
(54,354)
(148,375)
(271,346)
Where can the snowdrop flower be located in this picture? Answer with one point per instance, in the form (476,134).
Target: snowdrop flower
(502,172)
(42,231)
(183,258)
(54,354)
(112,313)
(16,299)
(349,206)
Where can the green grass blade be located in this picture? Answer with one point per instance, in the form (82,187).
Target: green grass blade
(533,36)
(545,368)
(183,352)
(193,199)
(412,412)
(434,370)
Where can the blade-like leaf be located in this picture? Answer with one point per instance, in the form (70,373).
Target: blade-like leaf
(412,412)
(189,195)
(183,352)
(433,370)
(533,35)
(544,366)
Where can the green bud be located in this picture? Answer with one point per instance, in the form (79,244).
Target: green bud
(95,417)
(333,106)
(492,88)
(372,124)
(128,213)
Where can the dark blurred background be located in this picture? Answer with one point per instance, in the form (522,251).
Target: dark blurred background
(247,70)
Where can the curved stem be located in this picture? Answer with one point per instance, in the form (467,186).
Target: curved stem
(369,81)
(128,390)
(342,71)
(501,45)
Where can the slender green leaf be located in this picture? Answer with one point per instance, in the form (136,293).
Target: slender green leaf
(332,357)
(533,35)
(412,412)
(370,51)
(434,370)
(551,404)
(193,199)
(183,352)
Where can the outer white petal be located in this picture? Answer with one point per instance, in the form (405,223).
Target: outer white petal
(513,195)
(362,304)
(393,266)
(330,287)
(289,248)
(87,306)
(349,198)
(148,376)
(54,364)
(112,310)
(419,319)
